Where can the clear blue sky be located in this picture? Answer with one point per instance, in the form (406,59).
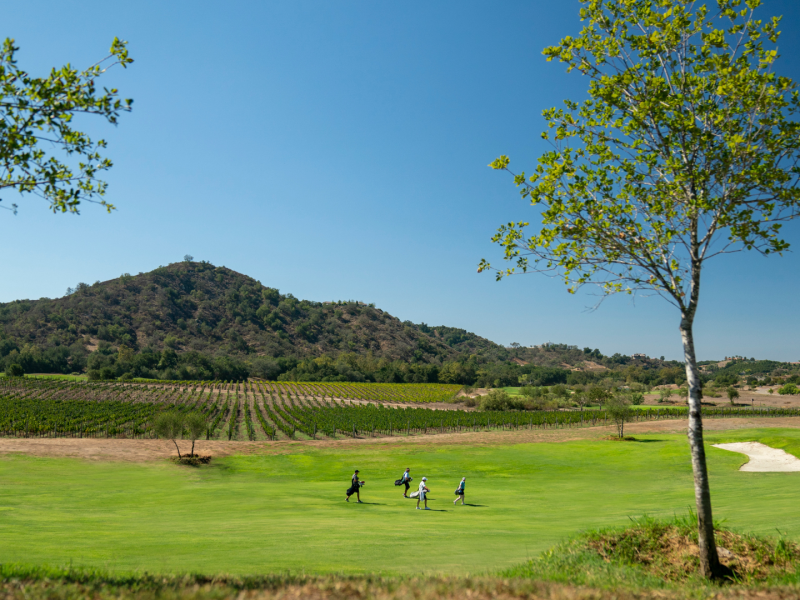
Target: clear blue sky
(338,150)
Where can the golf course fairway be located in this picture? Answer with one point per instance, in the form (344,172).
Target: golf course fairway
(277,512)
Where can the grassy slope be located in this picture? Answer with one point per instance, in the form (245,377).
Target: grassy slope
(255,514)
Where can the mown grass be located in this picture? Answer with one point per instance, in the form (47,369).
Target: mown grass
(650,558)
(277,512)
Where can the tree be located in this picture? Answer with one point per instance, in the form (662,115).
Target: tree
(733,394)
(665,394)
(196,426)
(37,124)
(14,370)
(619,411)
(687,148)
(596,394)
(169,425)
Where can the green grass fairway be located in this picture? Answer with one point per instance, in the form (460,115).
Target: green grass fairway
(257,514)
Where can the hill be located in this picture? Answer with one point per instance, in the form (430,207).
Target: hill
(195,307)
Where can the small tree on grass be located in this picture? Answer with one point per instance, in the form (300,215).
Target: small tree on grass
(665,395)
(619,411)
(580,398)
(169,425)
(733,394)
(195,424)
(597,394)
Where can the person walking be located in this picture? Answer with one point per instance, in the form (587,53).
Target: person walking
(423,493)
(406,481)
(460,491)
(355,488)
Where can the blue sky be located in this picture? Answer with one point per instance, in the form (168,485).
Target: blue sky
(338,150)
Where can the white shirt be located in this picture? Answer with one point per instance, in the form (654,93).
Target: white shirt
(422,486)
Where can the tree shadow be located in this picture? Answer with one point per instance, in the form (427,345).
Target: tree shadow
(649,441)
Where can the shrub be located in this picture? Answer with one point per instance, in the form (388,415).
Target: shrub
(495,400)
(789,389)
(470,401)
(14,370)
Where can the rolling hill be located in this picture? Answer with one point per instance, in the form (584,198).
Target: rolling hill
(197,307)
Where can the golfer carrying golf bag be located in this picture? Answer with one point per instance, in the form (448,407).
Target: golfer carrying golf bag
(405,479)
(423,493)
(355,487)
(460,491)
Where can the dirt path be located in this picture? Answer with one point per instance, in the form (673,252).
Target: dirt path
(148,450)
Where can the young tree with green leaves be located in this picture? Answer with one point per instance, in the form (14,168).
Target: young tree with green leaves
(169,425)
(41,151)
(733,394)
(686,149)
(619,411)
(196,424)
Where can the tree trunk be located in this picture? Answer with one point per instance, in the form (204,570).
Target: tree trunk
(178,449)
(709,560)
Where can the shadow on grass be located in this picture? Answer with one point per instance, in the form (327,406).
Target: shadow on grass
(649,441)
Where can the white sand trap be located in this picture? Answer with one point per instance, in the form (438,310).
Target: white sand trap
(763,458)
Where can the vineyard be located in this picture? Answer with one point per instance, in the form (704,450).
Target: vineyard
(258,410)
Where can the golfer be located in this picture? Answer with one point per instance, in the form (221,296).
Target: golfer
(355,487)
(406,481)
(423,493)
(460,491)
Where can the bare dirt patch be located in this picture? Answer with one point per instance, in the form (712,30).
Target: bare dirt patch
(150,450)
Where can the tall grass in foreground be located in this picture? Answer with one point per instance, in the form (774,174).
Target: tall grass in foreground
(662,554)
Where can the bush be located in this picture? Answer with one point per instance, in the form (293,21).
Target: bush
(14,370)
(499,400)
(789,389)
(495,400)
(470,401)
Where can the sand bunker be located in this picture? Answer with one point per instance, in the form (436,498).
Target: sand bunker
(763,459)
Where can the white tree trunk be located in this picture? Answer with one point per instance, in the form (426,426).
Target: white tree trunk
(709,560)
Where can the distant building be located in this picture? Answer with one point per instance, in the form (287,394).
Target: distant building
(639,356)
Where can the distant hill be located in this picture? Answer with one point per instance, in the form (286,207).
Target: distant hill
(195,306)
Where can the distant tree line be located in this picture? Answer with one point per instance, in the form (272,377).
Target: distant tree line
(108,361)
